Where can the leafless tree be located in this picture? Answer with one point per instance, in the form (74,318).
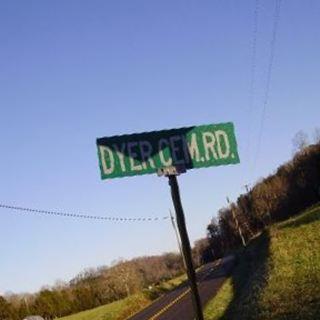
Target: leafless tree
(300,141)
(316,135)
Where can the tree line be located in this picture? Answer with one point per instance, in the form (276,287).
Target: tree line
(294,186)
(93,288)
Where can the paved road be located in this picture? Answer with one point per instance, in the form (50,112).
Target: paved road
(177,305)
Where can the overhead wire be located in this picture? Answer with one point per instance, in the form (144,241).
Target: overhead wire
(252,88)
(80,216)
(276,18)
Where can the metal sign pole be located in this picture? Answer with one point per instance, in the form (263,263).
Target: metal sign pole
(173,182)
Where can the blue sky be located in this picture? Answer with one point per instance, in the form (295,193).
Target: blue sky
(72,71)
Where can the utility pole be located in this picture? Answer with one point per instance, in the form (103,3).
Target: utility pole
(237,223)
(178,239)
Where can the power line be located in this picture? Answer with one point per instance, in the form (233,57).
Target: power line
(252,77)
(80,216)
(276,18)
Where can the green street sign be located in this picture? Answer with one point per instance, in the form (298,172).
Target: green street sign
(148,152)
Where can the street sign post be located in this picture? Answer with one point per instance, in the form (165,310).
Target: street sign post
(186,248)
(170,153)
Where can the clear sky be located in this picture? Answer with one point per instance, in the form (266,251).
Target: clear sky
(72,71)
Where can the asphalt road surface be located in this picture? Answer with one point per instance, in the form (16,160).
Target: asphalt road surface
(177,304)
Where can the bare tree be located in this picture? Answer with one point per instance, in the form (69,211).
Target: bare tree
(316,135)
(300,141)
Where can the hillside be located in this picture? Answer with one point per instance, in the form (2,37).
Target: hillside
(277,276)
(122,309)
(113,311)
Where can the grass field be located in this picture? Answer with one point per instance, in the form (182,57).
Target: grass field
(122,309)
(113,311)
(277,277)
